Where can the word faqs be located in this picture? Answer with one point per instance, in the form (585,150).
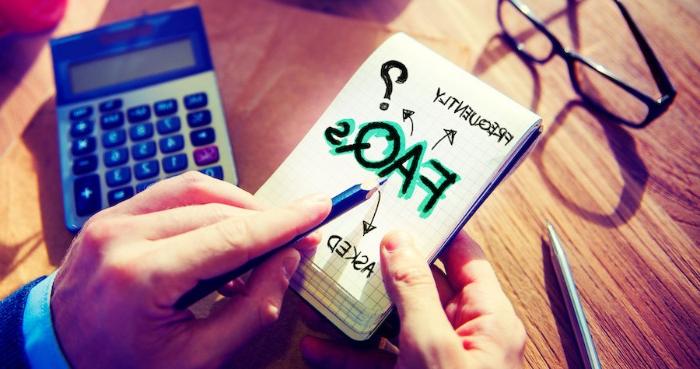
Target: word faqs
(395,158)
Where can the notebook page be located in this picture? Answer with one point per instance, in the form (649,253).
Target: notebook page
(440,142)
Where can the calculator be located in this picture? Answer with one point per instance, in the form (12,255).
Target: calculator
(136,102)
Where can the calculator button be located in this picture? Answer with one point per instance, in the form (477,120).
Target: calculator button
(116,157)
(120,194)
(82,146)
(143,150)
(146,169)
(215,172)
(168,125)
(118,177)
(138,113)
(81,112)
(87,195)
(165,107)
(86,164)
(174,163)
(81,127)
(141,131)
(110,105)
(171,144)
(206,155)
(112,120)
(199,118)
(202,137)
(195,101)
(114,138)
(144,185)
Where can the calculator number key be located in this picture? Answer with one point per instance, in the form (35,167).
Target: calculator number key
(81,127)
(171,144)
(87,195)
(175,163)
(195,101)
(82,146)
(116,157)
(138,113)
(199,118)
(143,150)
(109,105)
(141,131)
(168,125)
(214,172)
(112,120)
(120,194)
(146,169)
(206,155)
(85,164)
(80,112)
(202,137)
(165,107)
(118,177)
(113,138)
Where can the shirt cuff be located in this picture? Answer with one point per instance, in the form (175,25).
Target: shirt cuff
(40,342)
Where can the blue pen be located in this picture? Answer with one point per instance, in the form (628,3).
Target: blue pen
(341,203)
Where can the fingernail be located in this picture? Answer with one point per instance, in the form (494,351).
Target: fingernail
(309,244)
(394,240)
(290,266)
(315,202)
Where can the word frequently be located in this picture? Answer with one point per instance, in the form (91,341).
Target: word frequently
(466,112)
(407,162)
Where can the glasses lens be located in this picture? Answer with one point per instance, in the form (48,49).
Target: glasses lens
(608,95)
(519,27)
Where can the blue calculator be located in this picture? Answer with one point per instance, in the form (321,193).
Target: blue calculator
(136,101)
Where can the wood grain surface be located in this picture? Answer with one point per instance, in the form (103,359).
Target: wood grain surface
(626,202)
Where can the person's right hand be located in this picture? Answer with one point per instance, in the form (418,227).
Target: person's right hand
(459,320)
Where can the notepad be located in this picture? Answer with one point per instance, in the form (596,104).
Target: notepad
(441,137)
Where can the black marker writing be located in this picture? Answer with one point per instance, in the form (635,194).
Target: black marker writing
(463,110)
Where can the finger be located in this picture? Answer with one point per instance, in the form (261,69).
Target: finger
(233,287)
(444,289)
(221,247)
(315,321)
(320,353)
(411,287)
(244,315)
(187,189)
(171,222)
(465,263)
(307,245)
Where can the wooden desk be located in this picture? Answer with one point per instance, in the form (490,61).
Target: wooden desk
(625,201)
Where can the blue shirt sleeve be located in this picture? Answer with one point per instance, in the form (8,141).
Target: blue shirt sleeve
(40,342)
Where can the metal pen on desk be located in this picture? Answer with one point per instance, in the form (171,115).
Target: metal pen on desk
(573,304)
(341,203)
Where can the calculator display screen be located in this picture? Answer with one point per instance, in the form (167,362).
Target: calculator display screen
(131,66)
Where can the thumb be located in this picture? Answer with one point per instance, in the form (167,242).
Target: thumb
(244,315)
(410,285)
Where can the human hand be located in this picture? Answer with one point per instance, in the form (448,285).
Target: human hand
(459,320)
(113,297)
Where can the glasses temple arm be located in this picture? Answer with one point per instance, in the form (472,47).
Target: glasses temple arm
(657,71)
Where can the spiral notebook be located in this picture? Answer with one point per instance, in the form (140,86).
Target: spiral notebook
(444,140)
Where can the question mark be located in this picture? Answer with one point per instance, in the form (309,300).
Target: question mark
(386,67)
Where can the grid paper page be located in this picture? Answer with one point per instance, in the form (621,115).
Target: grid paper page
(441,116)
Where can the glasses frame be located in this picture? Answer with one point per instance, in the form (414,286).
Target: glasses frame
(656,107)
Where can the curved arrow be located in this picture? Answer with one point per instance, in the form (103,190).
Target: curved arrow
(368,226)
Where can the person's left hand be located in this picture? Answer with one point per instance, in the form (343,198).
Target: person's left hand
(113,297)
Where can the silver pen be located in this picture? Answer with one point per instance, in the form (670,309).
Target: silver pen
(573,304)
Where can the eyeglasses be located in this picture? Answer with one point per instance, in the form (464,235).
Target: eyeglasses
(598,87)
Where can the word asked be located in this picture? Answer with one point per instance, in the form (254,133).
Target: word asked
(347,251)
(396,158)
(466,112)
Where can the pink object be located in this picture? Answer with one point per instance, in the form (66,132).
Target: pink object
(206,155)
(28,16)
